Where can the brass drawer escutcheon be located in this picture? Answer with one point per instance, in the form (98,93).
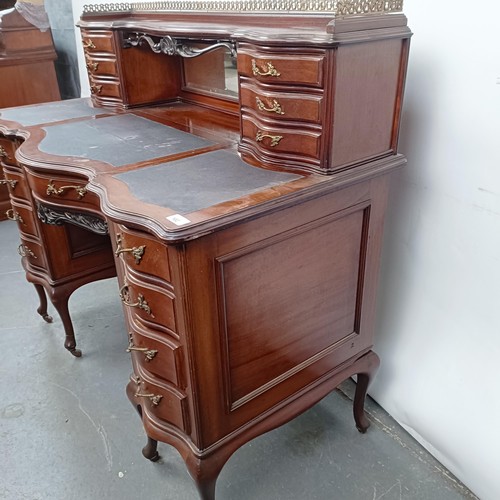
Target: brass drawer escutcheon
(269,70)
(148,353)
(141,303)
(25,251)
(274,107)
(3,153)
(154,398)
(52,189)
(92,66)
(96,89)
(88,44)
(275,139)
(137,252)
(11,182)
(13,215)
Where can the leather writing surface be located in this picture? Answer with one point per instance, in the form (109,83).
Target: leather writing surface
(201,181)
(50,112)
(118,140)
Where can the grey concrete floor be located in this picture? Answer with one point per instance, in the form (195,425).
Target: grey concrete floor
(67,430)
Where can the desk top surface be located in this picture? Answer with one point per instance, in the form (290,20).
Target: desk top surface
(51,112)
(171,170)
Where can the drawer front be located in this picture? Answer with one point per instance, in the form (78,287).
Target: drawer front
(305,143)
(150,305)
(142,253)
(7,152)
(33,253)
(163,402)
(278,68)
(101,67)
(25,218)
(98,41)
(161,357)
(105,88)
(72,191)
(16,183)
(280,105)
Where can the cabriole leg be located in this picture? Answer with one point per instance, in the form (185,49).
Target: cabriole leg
(42,308)
(365,376)
(61,305)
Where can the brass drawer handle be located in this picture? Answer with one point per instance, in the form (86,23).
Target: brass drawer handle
(3,153)
(148,353)
(269,69)
(275,139)
(154,398)
(88,44)
(137,252)
(141,303)
(11,182)
(52,189)
(92,66)
(275,107)
(95,89)
(24,251)
(13,215)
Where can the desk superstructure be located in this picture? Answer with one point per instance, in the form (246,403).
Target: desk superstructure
(233,172)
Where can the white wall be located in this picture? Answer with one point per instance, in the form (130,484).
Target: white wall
(439,304)
(439,307)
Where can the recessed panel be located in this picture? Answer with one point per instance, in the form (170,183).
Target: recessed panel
(287,301)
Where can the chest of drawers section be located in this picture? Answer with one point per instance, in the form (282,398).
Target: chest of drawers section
(158,384)
(102,67)
(21,208)
(282,105)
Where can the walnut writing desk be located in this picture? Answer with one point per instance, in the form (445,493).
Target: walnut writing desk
(239,164)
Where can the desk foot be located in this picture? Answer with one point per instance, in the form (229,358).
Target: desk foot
(42,308)
(150,451)
(371,363)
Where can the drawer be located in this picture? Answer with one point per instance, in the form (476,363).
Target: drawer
(142,253)
(7,152)
(32,253)
(105,88)
(281,105)
(18,187)
(278,68)
(277,139)
(98,41)
(164,402)
(150,305)
(52,189)
(157,354)
(97,66)
(25,218)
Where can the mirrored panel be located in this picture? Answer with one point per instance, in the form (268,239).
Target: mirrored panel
(211,73)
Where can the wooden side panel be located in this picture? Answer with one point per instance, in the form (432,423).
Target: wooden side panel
(365,100)
(288,301)
(281,304)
